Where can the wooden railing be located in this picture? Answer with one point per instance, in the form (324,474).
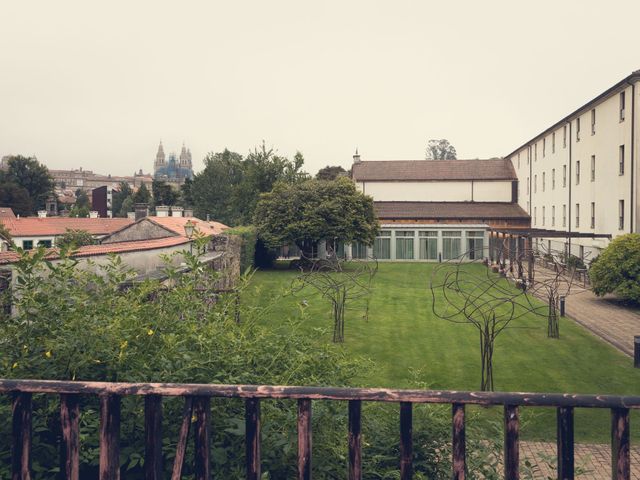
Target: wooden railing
(197,400)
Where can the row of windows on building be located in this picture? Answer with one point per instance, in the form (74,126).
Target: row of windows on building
(592,176)
(28,244)
(621,117)
(592,223)
(422,245)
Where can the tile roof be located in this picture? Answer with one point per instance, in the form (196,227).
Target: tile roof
(35,227)
(176,225)
(6,212)
(416,170)
(447,210)
(95,250)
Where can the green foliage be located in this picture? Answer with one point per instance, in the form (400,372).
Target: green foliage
(163,193)
(75,238)
(440,150)
(617,268)
(126,207)
(248,248)
(186,196)
(15,197)
(79,211)
(306,212)
(82,199)
(229,187)
(30,175)
(142,195)
(119,196)
(330,173)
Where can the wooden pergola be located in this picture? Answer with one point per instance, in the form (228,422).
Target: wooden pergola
(515,244)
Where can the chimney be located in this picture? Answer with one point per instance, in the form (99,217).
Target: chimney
(188,212)
(356,157)
(162,211)
(177,211)
(93,214)
(131,215)
(141,210)
(42,214)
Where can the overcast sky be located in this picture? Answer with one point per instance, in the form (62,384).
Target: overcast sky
(98,84)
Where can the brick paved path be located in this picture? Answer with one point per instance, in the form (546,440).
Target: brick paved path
(593,460)
(605,316)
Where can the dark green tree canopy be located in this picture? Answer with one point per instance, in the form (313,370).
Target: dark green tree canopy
(82,199)
(440,150)
(75,238)
(163,193)
(330,172)
(229,187)
(30,175)
(314,210)
(617,269)
(124,191)
(143,195)
(16,197)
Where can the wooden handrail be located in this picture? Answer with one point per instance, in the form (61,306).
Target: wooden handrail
(528,399)
(197,410)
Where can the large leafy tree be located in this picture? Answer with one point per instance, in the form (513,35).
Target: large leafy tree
(440,150)
(307,212)
(330,172)
(163,193)
(30,175)
(229,187)
(16,197)
(143,195)
(617,269)
(119,196)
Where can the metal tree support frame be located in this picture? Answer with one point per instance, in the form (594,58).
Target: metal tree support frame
(197,405)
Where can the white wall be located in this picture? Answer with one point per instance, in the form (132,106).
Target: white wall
(437,191)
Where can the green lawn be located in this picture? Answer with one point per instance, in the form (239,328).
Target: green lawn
(402,333)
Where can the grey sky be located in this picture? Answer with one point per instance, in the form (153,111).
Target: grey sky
(97,84)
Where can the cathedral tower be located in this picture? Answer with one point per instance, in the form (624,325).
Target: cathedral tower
(160,159)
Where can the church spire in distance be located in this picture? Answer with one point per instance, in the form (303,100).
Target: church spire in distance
(160,159)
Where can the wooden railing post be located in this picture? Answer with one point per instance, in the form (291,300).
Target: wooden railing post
(70,446)
(202,429)
(511,447)
(153,437)
(406,441)
(355,440)
(620,465)
(565,443)
(252,438)
(109,437)
(458,441)
(183,435)
(304,439)
(21,437)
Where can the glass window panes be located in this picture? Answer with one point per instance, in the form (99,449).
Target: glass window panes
(452,233)
(404,245)
(475,234)
(450,247)
(358,250)
(382,248)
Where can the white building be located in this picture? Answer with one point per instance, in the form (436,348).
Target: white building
(433,210)
(579,175)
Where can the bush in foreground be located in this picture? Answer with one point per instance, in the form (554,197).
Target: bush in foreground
(617,269)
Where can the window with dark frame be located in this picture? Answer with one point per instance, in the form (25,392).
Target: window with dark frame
(621,215)
(593,121)
(593,215)
(577,215)
(577,172)
(593,168)
(621,160)
(578,129)
(622,105)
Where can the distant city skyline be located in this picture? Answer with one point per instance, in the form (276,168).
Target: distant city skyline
(98,86)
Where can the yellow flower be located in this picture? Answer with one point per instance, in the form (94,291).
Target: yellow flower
(150,332)
(15,365)
(48,354)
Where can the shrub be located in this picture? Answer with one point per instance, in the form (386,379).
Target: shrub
(617,268)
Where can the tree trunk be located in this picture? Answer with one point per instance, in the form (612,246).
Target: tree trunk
(553,323)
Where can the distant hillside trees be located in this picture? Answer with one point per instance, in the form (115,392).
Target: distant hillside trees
(440,150)
(25,185)
(229,187)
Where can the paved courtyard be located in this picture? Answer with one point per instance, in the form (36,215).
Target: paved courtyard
(593,461)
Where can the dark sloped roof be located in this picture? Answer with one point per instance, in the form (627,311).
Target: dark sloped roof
(442,210)
(410,170)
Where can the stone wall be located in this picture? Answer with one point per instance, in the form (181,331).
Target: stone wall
(227,264)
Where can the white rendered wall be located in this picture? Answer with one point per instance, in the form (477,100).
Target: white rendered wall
(437,191)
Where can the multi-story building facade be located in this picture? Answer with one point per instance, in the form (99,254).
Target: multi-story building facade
(87,180)
(579,175)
